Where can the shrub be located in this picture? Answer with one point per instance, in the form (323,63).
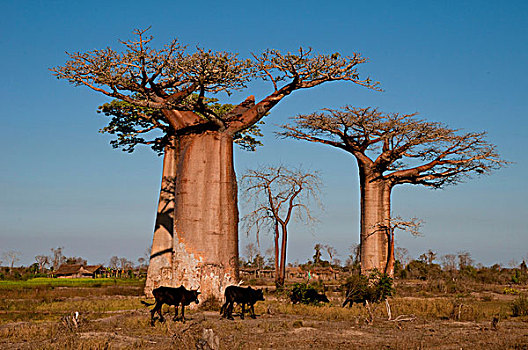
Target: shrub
(519,306)
(373,288)
(306,294)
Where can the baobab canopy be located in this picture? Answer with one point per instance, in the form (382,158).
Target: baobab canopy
(392,149)
(168,92)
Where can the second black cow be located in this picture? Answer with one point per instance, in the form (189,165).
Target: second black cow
(243,296)
(172,296)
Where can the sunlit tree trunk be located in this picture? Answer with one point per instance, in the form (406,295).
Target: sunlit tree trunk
(375,218)
(160,265)
(282,268)
(205,214)
(277,254)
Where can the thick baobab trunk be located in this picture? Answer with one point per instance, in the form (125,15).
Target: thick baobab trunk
(204,247)
(375,220)
(160,266)
(205,214)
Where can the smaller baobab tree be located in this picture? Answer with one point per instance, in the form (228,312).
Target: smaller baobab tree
(11,257)
(279,194)
(42,261)
(394,149)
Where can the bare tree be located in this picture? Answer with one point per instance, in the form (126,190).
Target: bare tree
(125,264)
(412,226)
(449,262)
(402,255)
(251,252)
(162,100)
(464,259)
(393,149)
(57,258)
(113,263)
(11,257)
(279,194)
(331,251)
(42,261)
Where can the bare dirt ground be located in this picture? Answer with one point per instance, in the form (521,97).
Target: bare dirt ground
(122,322)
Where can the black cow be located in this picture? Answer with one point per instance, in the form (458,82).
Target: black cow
(172,296)
(242,296)
(310,296)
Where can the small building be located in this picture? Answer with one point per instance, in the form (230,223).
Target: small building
(79,271)
(324,273)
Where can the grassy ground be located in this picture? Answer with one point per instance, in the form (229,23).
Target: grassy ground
(39,316)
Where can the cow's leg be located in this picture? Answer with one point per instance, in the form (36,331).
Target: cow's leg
(160,312)
(223,309)
(243,310)
(157,308)
(183,314)
(152,312)
(175,313)
(252,308)
(229,310)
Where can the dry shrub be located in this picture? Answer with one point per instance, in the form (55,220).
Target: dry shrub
(519,306)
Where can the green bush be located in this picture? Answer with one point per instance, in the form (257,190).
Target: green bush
(373,288)
(305,293)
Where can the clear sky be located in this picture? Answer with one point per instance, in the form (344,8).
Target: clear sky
(463,63)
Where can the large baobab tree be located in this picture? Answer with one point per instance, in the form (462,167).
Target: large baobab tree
(278,195)
(164,92)
(394,149)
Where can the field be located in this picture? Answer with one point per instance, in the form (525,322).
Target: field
(39,314)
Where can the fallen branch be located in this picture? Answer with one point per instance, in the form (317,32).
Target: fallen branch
(402,318)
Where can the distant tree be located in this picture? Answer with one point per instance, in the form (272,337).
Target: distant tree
(331,251)
(394,149)
(113,263)
(431,256)
(75,260)
(353,258)
(464,259)
(197,142)
(42,261)
(413,226)
(141,262)
(11,257)
(57,258)
(125,264)
(449,262)
(279,194)
(402,255)
(317,255)
(251,252)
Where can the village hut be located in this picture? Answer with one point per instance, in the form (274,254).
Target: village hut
(79,271)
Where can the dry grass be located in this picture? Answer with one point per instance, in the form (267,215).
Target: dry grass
(113,318)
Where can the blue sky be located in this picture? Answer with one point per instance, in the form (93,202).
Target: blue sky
(463,63)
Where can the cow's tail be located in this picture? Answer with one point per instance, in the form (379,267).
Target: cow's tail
(146,304)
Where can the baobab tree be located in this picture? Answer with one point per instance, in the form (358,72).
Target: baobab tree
(394,149)
(11,257)
(196,239)
(278,195)
(42,261)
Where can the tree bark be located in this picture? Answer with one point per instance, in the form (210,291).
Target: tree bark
(375,220)
(389,269)
(205,232)
(282,275)
(160,266)
(277,255)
